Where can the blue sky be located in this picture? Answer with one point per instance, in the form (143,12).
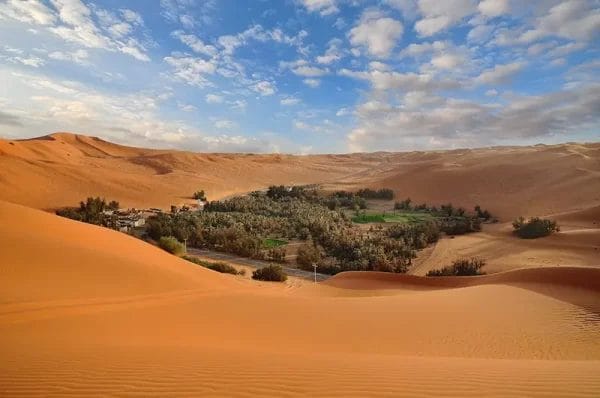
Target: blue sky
(302,76)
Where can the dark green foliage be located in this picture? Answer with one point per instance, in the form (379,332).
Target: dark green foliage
(199,195)
(172,245)
(113,205)
(403,205)
(271,273)
(463,267)
(383,193)
(417,236)
(92,211)
(276,254)
(459,224)
(534,228)
(215,266)
(308,255)
(483,214)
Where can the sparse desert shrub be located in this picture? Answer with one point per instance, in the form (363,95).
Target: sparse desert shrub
(462,267)
(534,228)
(216,266)
(271,273)
(172,245)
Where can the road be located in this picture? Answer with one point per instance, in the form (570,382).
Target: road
(225,257)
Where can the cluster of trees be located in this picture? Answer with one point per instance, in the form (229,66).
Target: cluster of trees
(276,254)
(462,267)
(534,227)
(383,193)
(270,273)
(93,211)
(346,199)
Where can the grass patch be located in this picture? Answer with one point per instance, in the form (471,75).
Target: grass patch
(270,243)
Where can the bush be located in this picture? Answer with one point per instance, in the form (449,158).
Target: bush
(199,195)
(172,245)
(463,267)
(271,273)
(218,266)
(383,193)
(534,228)
(276,254)
(307,256)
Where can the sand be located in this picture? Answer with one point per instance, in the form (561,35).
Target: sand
(85,311)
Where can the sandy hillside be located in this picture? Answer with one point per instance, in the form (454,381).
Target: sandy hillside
(85,310)
(61,169)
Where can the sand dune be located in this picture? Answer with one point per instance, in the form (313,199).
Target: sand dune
(84,310)
(61,169)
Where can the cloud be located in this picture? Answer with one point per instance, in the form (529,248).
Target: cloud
(377,33)
(28,11)
(186,107)
(7,119)
(224,124)
(440,15)
(196,44)
(499,74)
(323,7)
(454,122)
(494,8)
(264,88)
(78,57)
(289,101)
(191,70)
(332,54)
(312,83)
(214,99)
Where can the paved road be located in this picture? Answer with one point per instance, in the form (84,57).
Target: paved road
(218,256)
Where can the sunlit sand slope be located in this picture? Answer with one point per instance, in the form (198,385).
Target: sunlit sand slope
(87,311)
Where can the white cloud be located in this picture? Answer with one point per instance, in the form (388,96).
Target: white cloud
(494,8)
(309,71)
(440,15)
(499,74)
(186,107)
(480,33)
(323,7)
(289,101)
(264,88)
(377,33)
(79,56)
(332,54)
(214,99)
(224,124)
(195,43)
(312,83)
(191,70)
(29,11)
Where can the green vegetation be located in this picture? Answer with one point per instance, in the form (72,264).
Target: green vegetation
(270,243)
(199,195)
(93,211)
(534,228)
(271,273)
(172,245)
(215,266)
(463,267)
(276,254)
(404,217)
(383,193)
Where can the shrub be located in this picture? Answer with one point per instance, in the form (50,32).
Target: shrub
(276,254)
(534,228)
(199,195)
(403,205)
(271,273)
(218,266)
(307,256)
(383,193)
(172,245)
(463,267)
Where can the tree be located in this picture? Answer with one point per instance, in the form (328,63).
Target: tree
(534,228)
(199,195)
(307,256)
(113,205)
(462,267)
(172,245)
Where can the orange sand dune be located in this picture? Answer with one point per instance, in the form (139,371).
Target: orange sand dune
(61,169)
(88,311)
